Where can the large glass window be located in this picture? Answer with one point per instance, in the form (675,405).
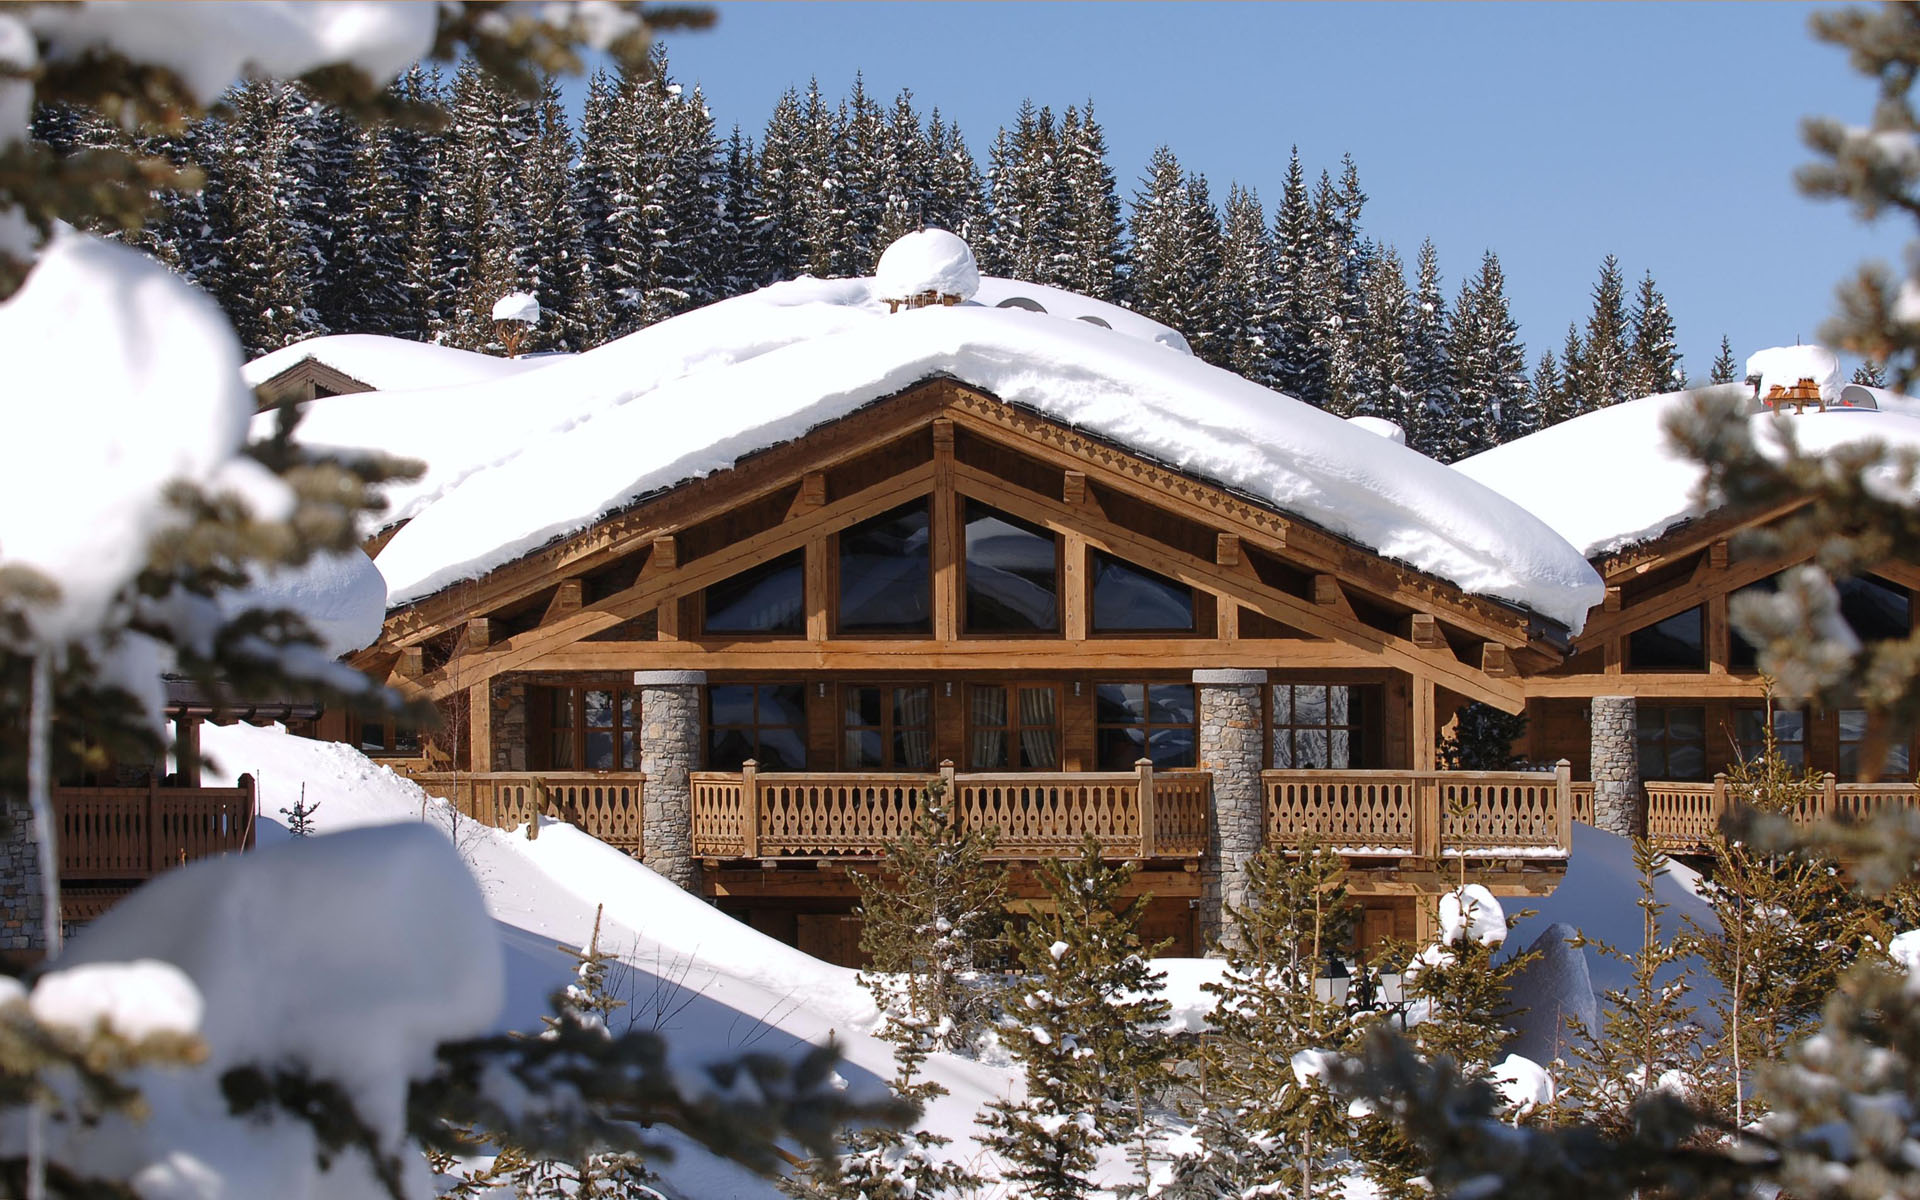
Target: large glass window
(1130,599)
(886,574)
(383,737)
(1144,720)
(1013,727)
(1789,734)
(1873,609)
(1012,573)
(1672,742)
(588,729)
(1317,726)
(768,599)
(886,727)
(766,722)
(1853,737)
(1678,643)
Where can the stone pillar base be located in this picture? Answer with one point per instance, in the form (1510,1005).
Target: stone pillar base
(1619,802)
(1232,746)
(669,749)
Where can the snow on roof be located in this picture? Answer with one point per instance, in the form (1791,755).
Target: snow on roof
(930,260)
(1610,479)
(1380,427)
(1058,302)
(1784,366)
(693,395)
(517,306)
(390,364)
(342,597)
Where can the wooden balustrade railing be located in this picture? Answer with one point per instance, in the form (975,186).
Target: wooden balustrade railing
(607,805)
(133,833)
(1423,813)
(1582,792)
(1132,814)
(1684,817)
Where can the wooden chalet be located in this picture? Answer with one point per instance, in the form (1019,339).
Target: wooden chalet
(1660,695)
(749,678)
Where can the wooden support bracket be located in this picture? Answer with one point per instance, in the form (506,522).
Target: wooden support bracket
(813,493)
(1226,549)
(1495,661)
(1612,602)
(1073,487)
(568,598)
(666,553)
(1424,632)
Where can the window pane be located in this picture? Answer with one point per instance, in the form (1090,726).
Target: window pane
(1687,762)
(987,750)
(1749,726)
(1310,706)
(1337,706)
(1650,724)
(406,740)
(1742,655)
(562,708)
(783,704)
(1130,598)
(1172,748)
(599,709)
(989,706)
(599,751)
(769,598)
(1283,749)
(629,758)
(730,703)
(1687,724)
(1896,764)
(1675,644)
(862,705)
(1853,724)
(1039,750)
(912,707)
(1283,704)
(373,736)
(1876,611)
(1011,573)
(1340,749)
(1119,703)
(782,750)
(1119,749)
(862,750)
(728,748)
(886,574)
(1036,706)
(1789,725)
(1310,749)
(1170,703)
(1653,762)
(563,752)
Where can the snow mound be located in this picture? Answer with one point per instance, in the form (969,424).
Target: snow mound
(107,405)
(389,364)
(1904,949)
(1569,475)
(1523,1083)
(1472,914)
(517,306)
(1382,427)
(349,956)
(1784,366)
(133,999)
(929,260)
(342,597)
(1058,302)
(721,383)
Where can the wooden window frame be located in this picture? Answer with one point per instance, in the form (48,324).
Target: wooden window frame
(1015,726)
(1365,715)
(710,727)
(1148,726)
(1059,631)
(1841,743)
(543,730)
(835,557)
(390,729)
(1748,750)
(887,727)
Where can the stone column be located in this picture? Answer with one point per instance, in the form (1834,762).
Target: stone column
(1232,746)
(1619,806)
(669,748)
(21,927)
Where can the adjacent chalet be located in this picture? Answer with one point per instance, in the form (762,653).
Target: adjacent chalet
(1659,694)
(731,591)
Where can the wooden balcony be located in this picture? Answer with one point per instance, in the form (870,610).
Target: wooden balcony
(1423,814)
(1683,817)
(130,834)
(1139,814)
(605,804)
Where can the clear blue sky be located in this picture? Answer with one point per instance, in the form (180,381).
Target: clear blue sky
(1554,134)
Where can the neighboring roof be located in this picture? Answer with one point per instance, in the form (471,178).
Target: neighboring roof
(1610,479)
(390,364)
(517,463)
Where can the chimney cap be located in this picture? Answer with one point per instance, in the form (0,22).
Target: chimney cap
(929,261)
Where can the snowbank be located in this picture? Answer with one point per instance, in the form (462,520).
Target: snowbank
(390,364)
(1610,479)
(746,374)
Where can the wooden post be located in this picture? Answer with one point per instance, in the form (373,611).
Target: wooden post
(186,750)
(479,729)
(750,809)
(1073,585)
(1719,801)
(1149,831)
(814,589)
(253,811)
(1563,789)
(947,535)
(1830,792)
(1426,814)
(156,849)
(1423,729)
(950,791)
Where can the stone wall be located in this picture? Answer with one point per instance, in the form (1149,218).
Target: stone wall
(509,726)
(1231,746)
(20,901)
(669,749)
(1619,804)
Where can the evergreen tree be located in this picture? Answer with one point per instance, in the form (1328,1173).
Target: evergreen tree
(735,259)
(1024,182)
(1092,255)
(1605,359)
(1085,1013)
(268,283)
(1547,390)
(1436,397)
(1869,374)
(1567,406)
(932,922)
(1648,1040)
(957,202)
(1299,370)
(777,226)
(1388,387)
(1339,264)
(1489,367)
(300,816)
(906,162)
(1653,363)
(861,163)
(821,191)
(1725,368)
(1244,287)
(559,273)
(483,231)
(1269,1123)
(1176,255)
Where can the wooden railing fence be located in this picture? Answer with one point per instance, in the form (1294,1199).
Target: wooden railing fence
(1422,813)
(1684,817)
(1131,814)
(133,833)
(607,805)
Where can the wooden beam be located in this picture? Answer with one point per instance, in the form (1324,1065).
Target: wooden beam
(1496,661)
(1678,600)
(650,590)
(1226,619)
(1424,632)
(1422,729)
(480,727)
(1073,585)
(666,620)
(814,589)
(666,554)
(967,654)
(1328,594)
(476,635)
(1226,549)
(1073,487)
(1696,686)
(948,537)
(567,599)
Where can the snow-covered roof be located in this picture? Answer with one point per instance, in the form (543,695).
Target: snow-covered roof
(518,462)
(342,597)
(1610,479)
(930,260)
(1058,302)
(517,306)
(1783,366)
(391,364)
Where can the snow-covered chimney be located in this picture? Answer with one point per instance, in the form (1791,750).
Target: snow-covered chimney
(1795,375)
(924,268)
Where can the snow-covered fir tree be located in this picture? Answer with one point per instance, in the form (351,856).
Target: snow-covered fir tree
(1176,255)
(1547,390)
(1489,368)
(1386,385)
(1869,374)
(1025,182)
(1653,359)
(906,175)
(1245,285)
(1093,253)
(862,165)
(1605,358)
(735,259)
(1298,368)
(821,191)
(777,225)
(1436,397)
(1572,356)
(958,201)
(1726,368)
